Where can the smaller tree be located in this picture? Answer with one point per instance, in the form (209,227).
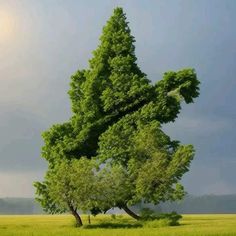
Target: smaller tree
(112,187)
(150,164)
(70,186)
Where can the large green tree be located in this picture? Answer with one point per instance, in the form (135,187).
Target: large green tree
(116,120)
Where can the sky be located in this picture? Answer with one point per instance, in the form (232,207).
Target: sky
(42,43)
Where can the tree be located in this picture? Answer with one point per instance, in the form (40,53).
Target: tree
(71,186)
(152,162)
(117,114)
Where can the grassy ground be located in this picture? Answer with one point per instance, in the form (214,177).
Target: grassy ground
(191,225)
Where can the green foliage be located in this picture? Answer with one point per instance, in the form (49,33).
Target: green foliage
(172,89)
(158,223)
(116,122)
(43,197)
(154,220)
(72,183)
(146,213)
(153,162)
(112,187)
(76,91)
(158,177)
(169,219)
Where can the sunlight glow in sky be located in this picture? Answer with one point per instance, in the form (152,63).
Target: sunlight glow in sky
(7,25)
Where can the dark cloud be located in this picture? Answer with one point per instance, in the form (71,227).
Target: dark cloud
(20,140)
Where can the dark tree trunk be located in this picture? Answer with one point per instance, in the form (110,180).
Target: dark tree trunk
(77,216)
(89,220)
(131,213)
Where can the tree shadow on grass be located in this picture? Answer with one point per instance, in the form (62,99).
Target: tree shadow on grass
(109,225)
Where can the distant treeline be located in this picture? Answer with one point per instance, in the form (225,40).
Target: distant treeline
(191,204)
(199,204)
(22,206)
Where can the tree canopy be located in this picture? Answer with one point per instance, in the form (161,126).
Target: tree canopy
(117,113)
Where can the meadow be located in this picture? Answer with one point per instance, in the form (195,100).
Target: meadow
(122,225)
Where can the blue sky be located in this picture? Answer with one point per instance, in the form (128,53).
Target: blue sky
(43,42)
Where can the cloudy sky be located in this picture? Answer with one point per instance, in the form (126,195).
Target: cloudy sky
(43,42)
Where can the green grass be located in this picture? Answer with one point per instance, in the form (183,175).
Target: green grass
(103,225)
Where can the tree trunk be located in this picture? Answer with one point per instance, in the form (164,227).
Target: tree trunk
(89,220)
(77,216)
(131,213)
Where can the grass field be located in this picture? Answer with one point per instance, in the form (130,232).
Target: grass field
(190,225)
